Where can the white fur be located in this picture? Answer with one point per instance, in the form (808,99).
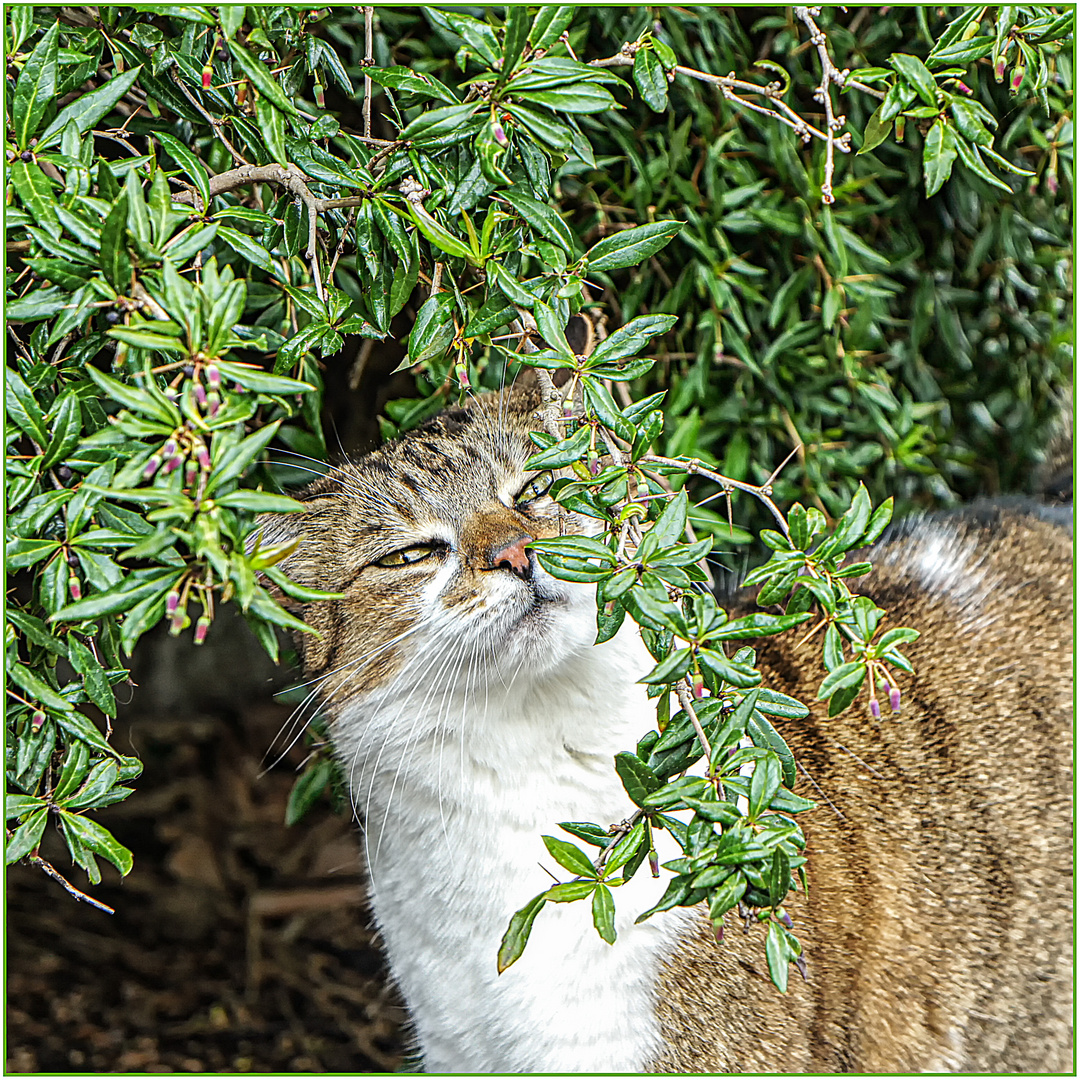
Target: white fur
(502,724)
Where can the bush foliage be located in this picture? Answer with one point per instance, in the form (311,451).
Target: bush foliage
(845,235)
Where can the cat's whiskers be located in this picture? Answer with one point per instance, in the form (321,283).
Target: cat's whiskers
(295,724)
(461,646)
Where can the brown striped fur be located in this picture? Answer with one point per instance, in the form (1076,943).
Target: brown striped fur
(938,930)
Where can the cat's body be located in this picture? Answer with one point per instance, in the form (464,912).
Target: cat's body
(472,713)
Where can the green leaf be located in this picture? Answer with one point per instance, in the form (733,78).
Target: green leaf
(542,218)
(651,79)
(262,80)
(603,913)
(232,19)
(66,430)
(88,109)
(236,459)
(187,161)
(569,856)
(258,502)
(439,235)
(517,933)
(115,260)
(558,136)
(36,87)
(669,669)
(23,408)
(631,246)
(120,597)
(764,784)
(27,837)
(98,839)
(638,779)
(435,124)
(726,895)
(255,378)
(307,790)
(916,75)
(433,330)
(412,82)
(569,891)
(846,675)
(272,127)
(247,248)
(939,152)
(36,194)
(549,25)
(582,97)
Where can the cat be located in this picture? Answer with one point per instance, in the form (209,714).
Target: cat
(472,712)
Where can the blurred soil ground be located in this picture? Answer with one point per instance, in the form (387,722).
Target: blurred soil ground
(238,944)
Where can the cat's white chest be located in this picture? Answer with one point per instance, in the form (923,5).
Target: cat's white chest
(453,840)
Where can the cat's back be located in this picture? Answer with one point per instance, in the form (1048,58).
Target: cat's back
(938,927)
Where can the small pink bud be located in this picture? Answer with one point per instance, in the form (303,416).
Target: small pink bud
(699,686)
(320,95)
(593,462)
(718,932)
(74,587)
(875,709)
(1052,183)
(169,448)
(462,373)
(785,918)
(202,456)
(894,698)
(191,473)
(213,403)
(213,376)
(207,72)
(654,864)
(172,602)
(200,393)
(176,623)
(1017,79)
(172,464)
(999,68)
(201,627)
(37,720)
(963,87)
(499,132)
(151,467)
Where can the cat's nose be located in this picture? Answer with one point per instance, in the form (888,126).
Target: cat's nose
(514,557)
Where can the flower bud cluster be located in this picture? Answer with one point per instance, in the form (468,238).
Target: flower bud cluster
(182,448)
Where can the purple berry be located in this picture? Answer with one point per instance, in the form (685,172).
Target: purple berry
(213,376)
(172,602)
(37,720)
(201,627)
(875,709)
(894,698)
(151,467)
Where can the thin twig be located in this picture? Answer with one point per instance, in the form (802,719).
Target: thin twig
(682,692)
(694,467)
(215,125)
(368,59)
(41,864)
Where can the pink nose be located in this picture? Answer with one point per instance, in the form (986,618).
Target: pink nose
(514,557)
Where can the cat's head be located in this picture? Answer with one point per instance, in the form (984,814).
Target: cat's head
(426,538)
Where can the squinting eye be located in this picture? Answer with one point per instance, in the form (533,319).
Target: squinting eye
(406,556)
(537,486)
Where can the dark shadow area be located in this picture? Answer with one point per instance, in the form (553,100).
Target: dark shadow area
(238,944)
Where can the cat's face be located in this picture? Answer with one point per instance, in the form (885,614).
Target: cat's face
(426,538)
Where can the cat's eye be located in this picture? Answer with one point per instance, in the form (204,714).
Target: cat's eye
(539,485)
(407,556)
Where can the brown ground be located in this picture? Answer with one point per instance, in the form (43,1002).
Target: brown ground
(238,944)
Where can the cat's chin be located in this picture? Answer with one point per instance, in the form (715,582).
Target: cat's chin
(542,626)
